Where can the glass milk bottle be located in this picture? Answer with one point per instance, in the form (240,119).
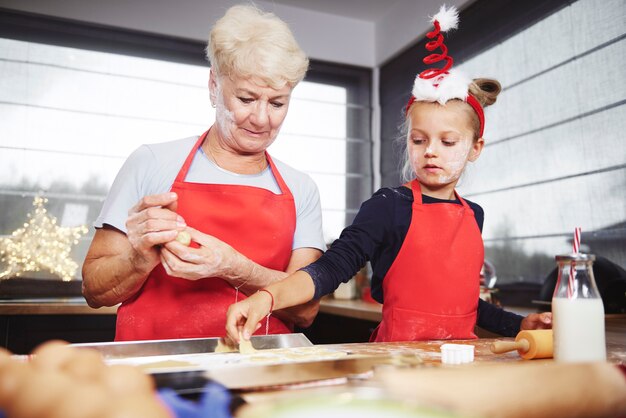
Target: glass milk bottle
(578,312)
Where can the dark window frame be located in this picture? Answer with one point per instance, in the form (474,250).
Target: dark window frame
(32,27)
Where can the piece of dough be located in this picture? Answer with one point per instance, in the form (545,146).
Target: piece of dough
(245,346)
(184,238)
(222,347)
(166,364)
(297,354)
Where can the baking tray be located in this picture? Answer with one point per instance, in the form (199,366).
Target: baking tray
(239,372)
(124,349)
(188,382)
(251,377)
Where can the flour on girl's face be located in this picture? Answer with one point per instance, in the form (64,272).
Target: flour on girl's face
(439,142)
(451,160)
(456,164)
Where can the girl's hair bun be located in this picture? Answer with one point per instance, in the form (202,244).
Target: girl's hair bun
(485,90)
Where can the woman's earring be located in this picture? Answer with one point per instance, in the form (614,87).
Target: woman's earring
(213,105)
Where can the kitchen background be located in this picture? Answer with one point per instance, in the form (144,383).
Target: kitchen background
(83,83)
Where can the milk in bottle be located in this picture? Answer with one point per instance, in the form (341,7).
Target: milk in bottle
(577,311)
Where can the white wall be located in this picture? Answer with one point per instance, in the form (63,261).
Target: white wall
(404,23)
(322,36)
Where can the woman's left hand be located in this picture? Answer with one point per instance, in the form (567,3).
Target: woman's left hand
(214,258)
(537,321)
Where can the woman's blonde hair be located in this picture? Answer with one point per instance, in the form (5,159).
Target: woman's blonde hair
(247,42)
(485,90)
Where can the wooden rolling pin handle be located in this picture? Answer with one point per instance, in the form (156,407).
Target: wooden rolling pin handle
(499,347)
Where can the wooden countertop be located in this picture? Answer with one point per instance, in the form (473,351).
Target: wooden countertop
(52,306)
(77,306)
(429,354)
(430,351)
(359,309)
(352,308)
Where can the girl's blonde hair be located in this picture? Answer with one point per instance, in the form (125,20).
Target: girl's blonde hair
(247,42)
(485,90)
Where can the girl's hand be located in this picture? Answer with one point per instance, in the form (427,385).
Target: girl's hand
(537,321)
(244,318)
(213,258)
(151,223)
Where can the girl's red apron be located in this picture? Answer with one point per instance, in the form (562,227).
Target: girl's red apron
(256,222)
(431,290)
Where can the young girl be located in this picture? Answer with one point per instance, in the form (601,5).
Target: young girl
(423,240)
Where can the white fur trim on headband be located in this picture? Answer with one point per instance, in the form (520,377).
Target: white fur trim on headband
(448,18)
(453,85)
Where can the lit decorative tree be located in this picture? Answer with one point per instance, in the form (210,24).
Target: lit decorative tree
(40,244)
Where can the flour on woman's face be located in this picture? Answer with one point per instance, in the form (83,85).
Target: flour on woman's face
(224,118)
(249,114)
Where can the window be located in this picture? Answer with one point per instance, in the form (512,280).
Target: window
(70,117)
(555,155)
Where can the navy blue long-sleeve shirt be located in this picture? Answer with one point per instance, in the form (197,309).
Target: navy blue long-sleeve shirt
(376,235)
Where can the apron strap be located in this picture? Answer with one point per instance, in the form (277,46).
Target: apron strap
(279,179)
(417,194)
(182,174)
(463,202)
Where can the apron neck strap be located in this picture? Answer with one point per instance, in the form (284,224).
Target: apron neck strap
(417,194)
(463,202)
(279,179)
(182,174)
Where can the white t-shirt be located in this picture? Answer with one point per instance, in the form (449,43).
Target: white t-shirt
(152,168)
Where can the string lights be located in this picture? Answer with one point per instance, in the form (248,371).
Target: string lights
(40,244)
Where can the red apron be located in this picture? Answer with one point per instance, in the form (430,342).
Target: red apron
(431,290)
(256,222)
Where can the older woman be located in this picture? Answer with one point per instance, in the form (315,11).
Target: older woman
(253,220)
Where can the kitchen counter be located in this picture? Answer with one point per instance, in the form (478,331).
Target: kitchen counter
(52,306)
(359,309)
(427,351)
(353,320)
(27,322)
(429,354)
(355,309)
(352,308)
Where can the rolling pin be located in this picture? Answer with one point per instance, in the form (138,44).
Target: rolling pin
(529,344)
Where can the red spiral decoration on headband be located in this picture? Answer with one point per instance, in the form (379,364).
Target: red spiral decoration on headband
(435,58)
(440,84)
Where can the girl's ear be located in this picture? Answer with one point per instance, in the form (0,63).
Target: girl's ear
(477,148)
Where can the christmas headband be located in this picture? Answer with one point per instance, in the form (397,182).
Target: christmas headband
(443,84)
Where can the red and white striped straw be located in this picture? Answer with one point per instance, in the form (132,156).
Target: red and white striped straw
(572,268)
(576,239)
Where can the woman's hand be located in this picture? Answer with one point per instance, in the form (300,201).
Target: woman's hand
(243,318)
(151,223)
(537,321)
(213,258)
